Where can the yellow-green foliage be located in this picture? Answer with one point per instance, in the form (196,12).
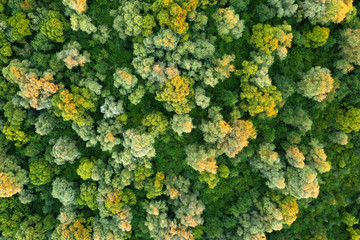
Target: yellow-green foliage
(268,38)
(177,92)
(85,167)
(210,178)
(317,37)
(223,171)
(262,101)
(15,134)
(156,123)
(54,26)
(20,26)
(173,13)
(348,120)
(140,174)
(40,172)
(74,105)
(148,24)
(5,48)
(87,196)
(155,188)
(249,69)
(117,199)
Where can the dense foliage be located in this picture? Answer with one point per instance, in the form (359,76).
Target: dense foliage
(179,119)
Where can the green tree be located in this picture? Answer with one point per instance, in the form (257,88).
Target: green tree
(87,195)
(107,131)
(32,228)
(229,23)
(20,26)
(85,167)
(65,150)
(261,101)
(5,48)
(132,20)
(7,89)
(54,26)
(12,214)
(15,134)
(45,123)
(14,114)
(64,190)
(348,120)
(156,123)
(181,124)
(317,37)
(40,172)
(350,50)
(74,105)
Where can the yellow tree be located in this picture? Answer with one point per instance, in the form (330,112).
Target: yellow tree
(72,230)
(177,231)
(224,67)
(237,138)
(268,38)
(71,55)
(115,200)
(261,101)
(336,11)
(177,92)
(28,5)
(78,5)
(37,90)
(12,176)
(263,37)
(350,50)
(8,186)
(295,157)
(201,159)
(74,105)
(317,83)
(173,13)
(289,209)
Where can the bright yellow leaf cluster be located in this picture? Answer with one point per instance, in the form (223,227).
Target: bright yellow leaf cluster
(173,13)
(8,186)
(177,92)
(73,105)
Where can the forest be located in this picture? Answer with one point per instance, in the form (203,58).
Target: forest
(179,119)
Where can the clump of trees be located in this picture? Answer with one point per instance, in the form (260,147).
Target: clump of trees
(179,119)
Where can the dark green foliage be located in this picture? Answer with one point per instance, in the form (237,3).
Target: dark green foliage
(81,167)
(7,89)
(40,172)
(12,213)
(14,114)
